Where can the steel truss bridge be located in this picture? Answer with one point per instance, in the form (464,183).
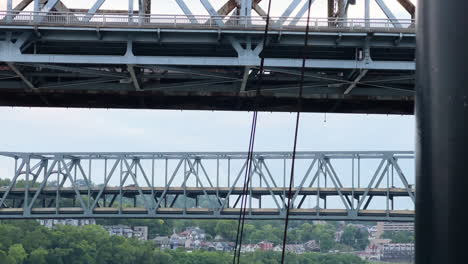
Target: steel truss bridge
(61,57)
(367,186)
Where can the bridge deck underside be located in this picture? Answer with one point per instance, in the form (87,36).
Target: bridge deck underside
(106,208)
(351,70)
(198,191)
(205,213)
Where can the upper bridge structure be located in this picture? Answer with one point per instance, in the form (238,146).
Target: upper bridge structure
(60,57)
(354,186)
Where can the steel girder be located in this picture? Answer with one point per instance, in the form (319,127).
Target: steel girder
(328,185)
(142,49)
(387,88)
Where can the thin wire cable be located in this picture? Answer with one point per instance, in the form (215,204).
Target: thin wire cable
(242,213)
(296,132)
(244,191)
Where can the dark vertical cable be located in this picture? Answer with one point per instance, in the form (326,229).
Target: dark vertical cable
(241,220)
(298,115)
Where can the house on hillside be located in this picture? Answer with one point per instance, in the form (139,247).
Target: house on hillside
(194,233)
(223,246)
(374,250)
(265,246)
(162,242)
(140,232)
(249,248)
(208,246)
(176,241)
(338,235)
(293,248)
(312,246)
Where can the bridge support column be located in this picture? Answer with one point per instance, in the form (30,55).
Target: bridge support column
(442,132)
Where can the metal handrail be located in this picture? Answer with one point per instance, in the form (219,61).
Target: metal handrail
(202,21)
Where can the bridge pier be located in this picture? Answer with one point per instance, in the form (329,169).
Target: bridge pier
(442,129)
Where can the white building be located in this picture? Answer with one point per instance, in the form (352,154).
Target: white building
(393,227)
(373,231)
(162,242)
(50,223)
(139,232)
(249,248)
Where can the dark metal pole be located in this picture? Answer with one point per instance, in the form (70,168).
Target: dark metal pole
(442,131)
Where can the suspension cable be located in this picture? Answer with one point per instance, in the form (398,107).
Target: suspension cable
(249,161)
(298,115)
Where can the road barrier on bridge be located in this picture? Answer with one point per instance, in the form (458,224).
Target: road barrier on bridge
(201,21)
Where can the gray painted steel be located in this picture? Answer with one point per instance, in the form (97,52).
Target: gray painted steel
(140,48)
(208,185)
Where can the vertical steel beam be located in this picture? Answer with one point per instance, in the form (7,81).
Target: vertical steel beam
(130,11)
(442,129)
(130,6)
(9,9)
(342,9)
(37,5)
(367,12)
(331,8)
(144,7)
(242,12)
(248,8)
(245,11)
(141,8)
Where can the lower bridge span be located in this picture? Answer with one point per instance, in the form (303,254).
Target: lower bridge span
(362,186)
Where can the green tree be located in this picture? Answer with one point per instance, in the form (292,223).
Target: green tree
(3,256)
(355,237)
(33,239)
(325,235)
(10,235)
(18,253)
(161,257)
(227,229)
(38,256)
(208,225)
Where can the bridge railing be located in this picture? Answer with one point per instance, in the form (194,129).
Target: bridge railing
(199,21)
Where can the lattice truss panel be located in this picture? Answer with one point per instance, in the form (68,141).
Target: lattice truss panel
(327,185)
(59,56)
